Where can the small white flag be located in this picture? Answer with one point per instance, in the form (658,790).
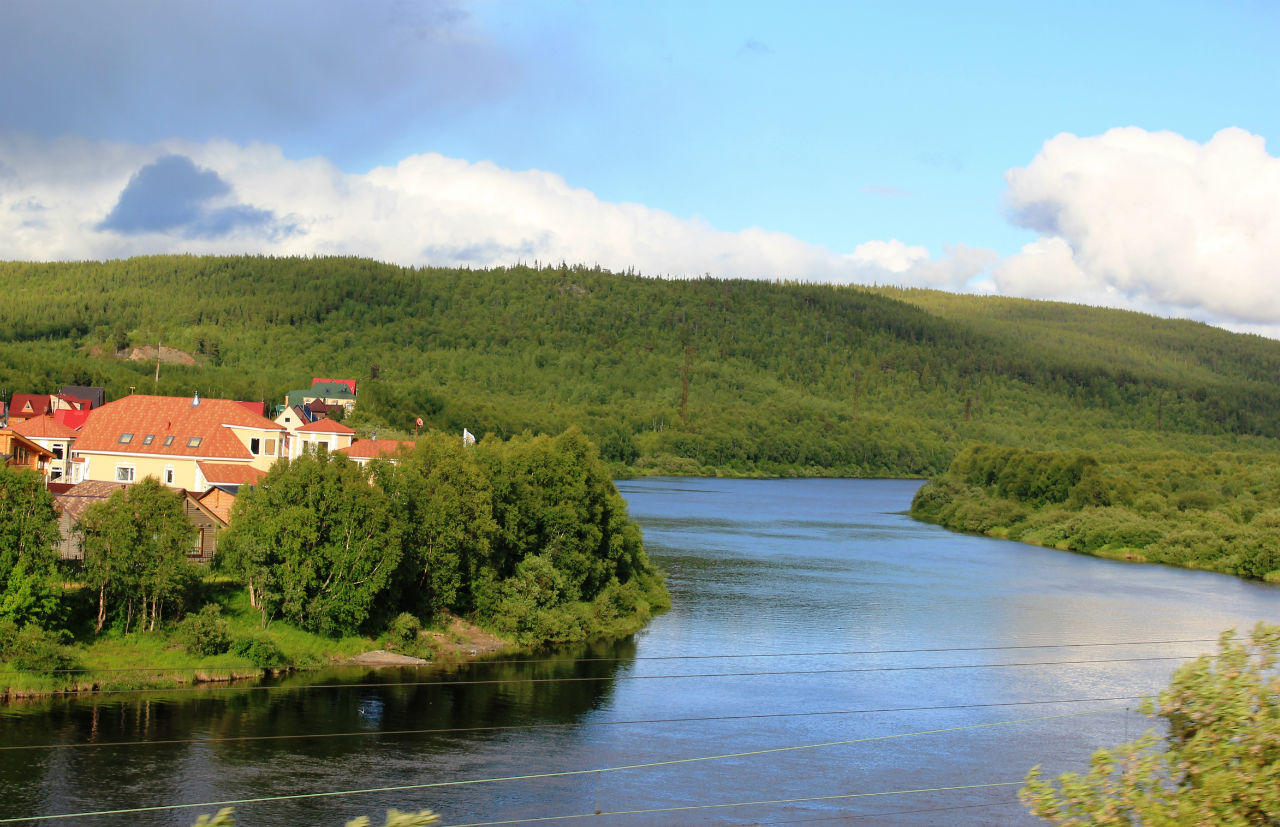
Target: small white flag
(468,438)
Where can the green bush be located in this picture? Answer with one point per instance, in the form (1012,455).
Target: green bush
(205,632)
(404,632)
(33,649)
(262,651)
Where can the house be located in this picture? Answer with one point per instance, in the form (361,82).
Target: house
(31,405)
(181,441)
(206,523)
(329,391)
(28,406)
(322,434)
(361,451)
(51,434)
(17,451)
(72,419)
(70,506)
(93,397)
(349,383)
(258,408)
(219,500)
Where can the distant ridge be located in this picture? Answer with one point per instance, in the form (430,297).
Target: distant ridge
(667,376)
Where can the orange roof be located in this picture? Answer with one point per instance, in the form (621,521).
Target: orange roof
(230,473)
(170,426)
(370,448)
(44,427)
(325,426)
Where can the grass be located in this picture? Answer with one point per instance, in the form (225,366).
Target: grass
(110,661)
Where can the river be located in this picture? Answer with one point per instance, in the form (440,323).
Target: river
(826,659)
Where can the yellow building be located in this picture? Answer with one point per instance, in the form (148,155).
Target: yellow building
(322,434)
(185,442)
(58,439)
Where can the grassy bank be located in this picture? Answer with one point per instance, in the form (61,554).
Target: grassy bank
(111,661)
(1218,513)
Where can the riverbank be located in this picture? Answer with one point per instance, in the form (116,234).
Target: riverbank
(99,665)
(1219,513)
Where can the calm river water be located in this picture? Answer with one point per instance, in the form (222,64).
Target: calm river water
(826,660)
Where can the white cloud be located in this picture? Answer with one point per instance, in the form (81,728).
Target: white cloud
(55,198)
(1152,221)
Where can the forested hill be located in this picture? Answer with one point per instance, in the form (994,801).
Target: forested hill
(667,375)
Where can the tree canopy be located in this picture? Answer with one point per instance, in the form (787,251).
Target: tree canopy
(1218,763)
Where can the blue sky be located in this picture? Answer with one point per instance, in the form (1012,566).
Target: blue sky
(1073,151)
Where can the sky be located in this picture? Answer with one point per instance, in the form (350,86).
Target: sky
(1106,153)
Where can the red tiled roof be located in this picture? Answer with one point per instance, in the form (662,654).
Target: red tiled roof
(230,473)
(370,448)
(258,408)
(38,403)
(162,417)
(72,419)
(44,427)
(325,426)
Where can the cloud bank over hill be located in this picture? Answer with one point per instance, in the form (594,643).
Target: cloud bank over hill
(1151,221)
(77,199)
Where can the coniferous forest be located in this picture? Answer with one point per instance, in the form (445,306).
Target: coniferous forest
(1174,424)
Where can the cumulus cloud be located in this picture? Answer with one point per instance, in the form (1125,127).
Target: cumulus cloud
(76,199)
(1150,220)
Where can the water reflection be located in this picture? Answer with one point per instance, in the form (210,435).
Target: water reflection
(818,636)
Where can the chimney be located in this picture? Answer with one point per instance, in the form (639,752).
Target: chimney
(195,400)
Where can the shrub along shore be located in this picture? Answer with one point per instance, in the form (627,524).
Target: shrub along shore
(1217,512)
(526,538)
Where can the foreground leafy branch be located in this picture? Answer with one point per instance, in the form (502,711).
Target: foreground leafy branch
(395,818)
(1219,763)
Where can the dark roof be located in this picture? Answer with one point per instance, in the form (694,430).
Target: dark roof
(96,397)
(80,497)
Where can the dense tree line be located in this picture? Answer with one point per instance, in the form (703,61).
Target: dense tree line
(739,376)
(526,536)
(1219,512)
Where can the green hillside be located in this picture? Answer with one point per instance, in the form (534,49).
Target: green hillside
(676,376)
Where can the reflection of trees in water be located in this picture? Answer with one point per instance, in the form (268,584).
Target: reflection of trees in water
(508,694)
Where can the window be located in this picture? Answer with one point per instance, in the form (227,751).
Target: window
(194,442)
(255,446)
(57,452)
(271,447)
(168,476)
(148,439)
(124,473)
(125,439)
(168,440)
(322,445)
(197,548)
